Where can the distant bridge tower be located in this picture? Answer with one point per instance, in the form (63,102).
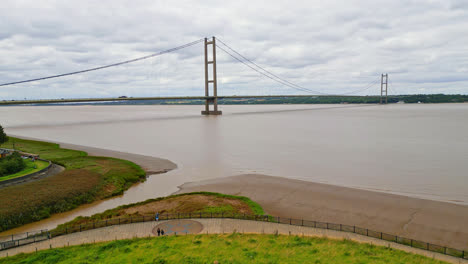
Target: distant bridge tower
(383,89)
(214,98)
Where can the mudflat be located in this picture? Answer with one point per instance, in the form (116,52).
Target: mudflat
(435,222)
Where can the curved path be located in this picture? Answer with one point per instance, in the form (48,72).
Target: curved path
(52,170)
(208,226)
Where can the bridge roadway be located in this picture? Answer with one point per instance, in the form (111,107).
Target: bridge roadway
(209,226)
(109,99)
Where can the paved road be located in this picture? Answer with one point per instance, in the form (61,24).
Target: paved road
(209,226)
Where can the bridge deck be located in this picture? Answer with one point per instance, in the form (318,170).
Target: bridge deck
(79,100)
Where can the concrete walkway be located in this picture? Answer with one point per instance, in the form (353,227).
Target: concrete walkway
(210,226)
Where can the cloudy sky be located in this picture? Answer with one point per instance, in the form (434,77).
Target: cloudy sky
(327,46)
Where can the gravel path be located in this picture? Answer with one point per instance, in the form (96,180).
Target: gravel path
(210,226)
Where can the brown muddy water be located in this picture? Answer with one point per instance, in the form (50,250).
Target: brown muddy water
(417,150)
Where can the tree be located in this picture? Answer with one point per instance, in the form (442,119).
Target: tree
(3,136)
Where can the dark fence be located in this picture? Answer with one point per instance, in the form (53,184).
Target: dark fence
(17,240)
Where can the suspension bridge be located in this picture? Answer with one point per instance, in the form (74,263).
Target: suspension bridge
(210,96)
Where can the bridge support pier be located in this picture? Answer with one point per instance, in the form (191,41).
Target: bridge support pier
(383,89)
(211,99)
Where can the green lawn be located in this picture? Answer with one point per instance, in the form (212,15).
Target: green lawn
(31,167)
(229,248)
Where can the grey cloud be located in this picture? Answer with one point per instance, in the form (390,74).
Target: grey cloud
(335,46)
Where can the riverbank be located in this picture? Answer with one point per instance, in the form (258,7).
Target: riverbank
(84,180)
(431,221)
(436,222)
(151,165)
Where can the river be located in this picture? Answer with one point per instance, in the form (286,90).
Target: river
(417,150)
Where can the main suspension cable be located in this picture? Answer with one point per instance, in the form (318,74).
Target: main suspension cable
(107,66)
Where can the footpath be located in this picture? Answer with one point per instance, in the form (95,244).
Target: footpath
(207,226)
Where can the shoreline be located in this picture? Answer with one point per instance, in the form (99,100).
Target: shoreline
(440,223)
(151,165)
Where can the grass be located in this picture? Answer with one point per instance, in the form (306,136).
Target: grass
(31,167)
(229,248)
(84,180)
(196,202)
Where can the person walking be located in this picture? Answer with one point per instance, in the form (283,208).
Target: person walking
(156,217)
(162,232)
(159,231)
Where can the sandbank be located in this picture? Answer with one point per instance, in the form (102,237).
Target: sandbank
(435,222)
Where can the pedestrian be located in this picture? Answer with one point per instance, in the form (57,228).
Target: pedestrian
(162,232)
(159,231)
(156,217)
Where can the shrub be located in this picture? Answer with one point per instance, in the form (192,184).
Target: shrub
(11,164)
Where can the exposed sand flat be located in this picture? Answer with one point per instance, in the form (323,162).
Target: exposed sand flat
(430,221)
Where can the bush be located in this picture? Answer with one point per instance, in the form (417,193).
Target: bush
(11,164)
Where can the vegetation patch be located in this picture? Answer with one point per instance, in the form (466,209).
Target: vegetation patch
(224,249)
(196,202)
(84,180)
(29,167)
(10,165)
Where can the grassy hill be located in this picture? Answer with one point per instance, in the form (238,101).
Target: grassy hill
(232,248)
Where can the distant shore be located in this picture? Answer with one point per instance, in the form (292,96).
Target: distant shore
(435,222)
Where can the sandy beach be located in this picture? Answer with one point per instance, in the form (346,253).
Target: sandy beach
(430,221)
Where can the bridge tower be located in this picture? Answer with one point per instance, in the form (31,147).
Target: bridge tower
(383,88)
(214,98)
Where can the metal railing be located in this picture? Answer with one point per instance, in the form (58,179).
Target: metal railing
(17,240)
